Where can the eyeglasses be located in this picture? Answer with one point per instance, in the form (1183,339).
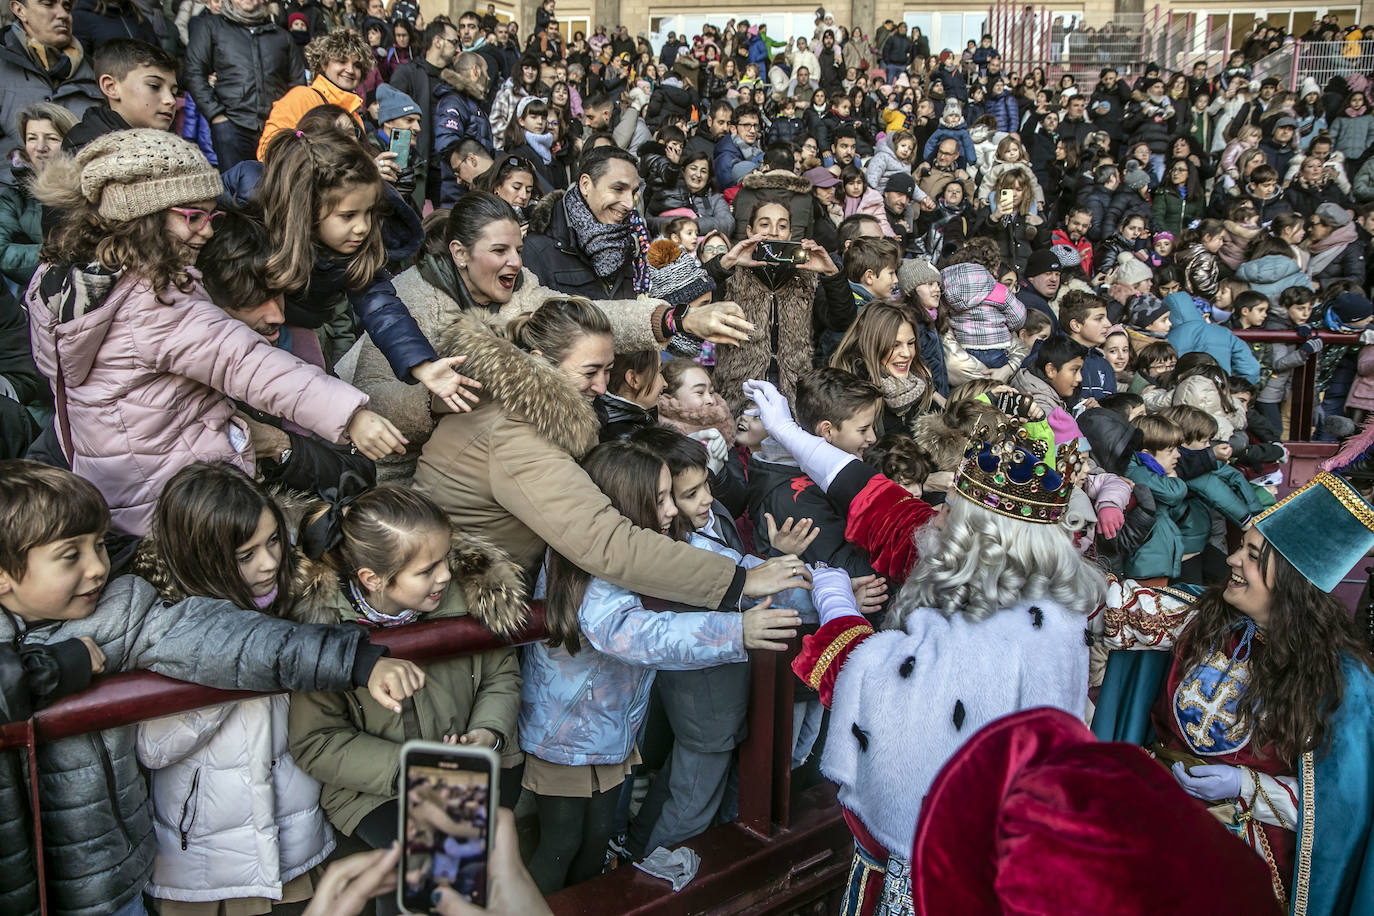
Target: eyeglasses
(196,218)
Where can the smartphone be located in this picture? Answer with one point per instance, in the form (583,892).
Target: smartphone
(772,252)
(400,145)
(447,805)
(1004,198)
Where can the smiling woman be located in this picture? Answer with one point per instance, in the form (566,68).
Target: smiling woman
(473,264)
(340,59)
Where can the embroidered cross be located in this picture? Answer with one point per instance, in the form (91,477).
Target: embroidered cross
(1213,709)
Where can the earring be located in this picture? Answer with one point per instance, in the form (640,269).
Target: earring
(463,266)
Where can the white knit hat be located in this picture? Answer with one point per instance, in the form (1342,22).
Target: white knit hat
(132,173)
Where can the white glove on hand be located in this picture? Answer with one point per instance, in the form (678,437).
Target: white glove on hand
(818,459)
(716,450)
(832,594)
(638,98)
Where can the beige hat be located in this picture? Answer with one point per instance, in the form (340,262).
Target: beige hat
(132,173)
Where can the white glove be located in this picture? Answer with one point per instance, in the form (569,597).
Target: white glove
(818,459)
(638,98)
(716,449)
(832,594)
(1367,337)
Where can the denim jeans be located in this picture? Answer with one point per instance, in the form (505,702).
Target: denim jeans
(132,908)
(232,144)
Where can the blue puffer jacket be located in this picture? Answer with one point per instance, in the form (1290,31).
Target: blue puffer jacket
(1272,274)
(967,154)
(1005,109)
(1192,333)
(583,709)
(376,307)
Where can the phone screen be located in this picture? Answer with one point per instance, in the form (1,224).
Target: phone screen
(447,807)
(400,145)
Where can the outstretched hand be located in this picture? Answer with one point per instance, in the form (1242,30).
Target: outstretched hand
(791,537)
(441,377)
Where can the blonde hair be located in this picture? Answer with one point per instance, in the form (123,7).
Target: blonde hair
(1017,178)
(1007,143)
(981,563)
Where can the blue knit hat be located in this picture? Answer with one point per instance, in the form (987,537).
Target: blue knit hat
(393,103)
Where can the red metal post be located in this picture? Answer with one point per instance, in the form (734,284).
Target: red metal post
(1293,71)
(756,753)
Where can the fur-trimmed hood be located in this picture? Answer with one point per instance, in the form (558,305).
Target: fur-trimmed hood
(492,588)
(541,215)
(465,84)
(776,180)
(524,385)
(946,440)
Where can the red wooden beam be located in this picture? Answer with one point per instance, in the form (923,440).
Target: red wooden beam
(123,699)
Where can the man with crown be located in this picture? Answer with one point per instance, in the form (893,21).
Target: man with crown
(1267,702)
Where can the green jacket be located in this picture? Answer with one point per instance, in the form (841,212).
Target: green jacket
(1178,530)
(1173,213)
(1227,491)
(21,227)
(351,745)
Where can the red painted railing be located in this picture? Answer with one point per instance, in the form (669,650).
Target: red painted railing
(1302,397)
(785,850)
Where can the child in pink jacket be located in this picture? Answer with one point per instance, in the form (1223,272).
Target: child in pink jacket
(145,368)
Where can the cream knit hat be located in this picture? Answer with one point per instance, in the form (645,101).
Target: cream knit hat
(132,173)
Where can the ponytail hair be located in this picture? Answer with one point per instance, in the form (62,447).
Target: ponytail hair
(205,513)
(379,530)
(304,173)
(556,326)
(627,472)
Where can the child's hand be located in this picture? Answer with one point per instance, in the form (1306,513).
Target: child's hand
(791,538)
(1109,521)
(481,737)
(441,377)
(869,591)
(97,657)
(375,436)
(768,627)
(393,680)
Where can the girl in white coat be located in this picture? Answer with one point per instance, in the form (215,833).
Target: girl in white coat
(236,819)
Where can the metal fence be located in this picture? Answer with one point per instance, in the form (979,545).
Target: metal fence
(1323,60)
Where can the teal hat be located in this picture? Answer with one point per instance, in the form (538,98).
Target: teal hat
(1323,528)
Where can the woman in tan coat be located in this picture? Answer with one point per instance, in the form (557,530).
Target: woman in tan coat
(509,471)
(472,264)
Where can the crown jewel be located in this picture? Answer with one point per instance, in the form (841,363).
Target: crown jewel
(1013,474)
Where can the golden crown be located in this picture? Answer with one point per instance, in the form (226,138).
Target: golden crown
(1007,471)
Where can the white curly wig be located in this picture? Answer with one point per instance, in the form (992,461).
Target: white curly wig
(981,562)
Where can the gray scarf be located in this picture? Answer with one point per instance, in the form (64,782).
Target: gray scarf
(235,15)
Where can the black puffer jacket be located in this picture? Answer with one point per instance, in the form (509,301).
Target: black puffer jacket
(668,103)
(94,798)
(253,67)
(1112,442)
(554,253)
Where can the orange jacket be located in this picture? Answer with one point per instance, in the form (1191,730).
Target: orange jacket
(291,107)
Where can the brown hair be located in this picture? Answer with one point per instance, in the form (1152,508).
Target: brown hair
(1076,305)
(41,504)
(340,44)
(1296,683)
(675,374)
(303,176)
(139,247)
(872,336)
(832,394)
(1158,432)
(203,516)
(627,472)
(1194,423)
(643,363)
(380,530)
(865,254)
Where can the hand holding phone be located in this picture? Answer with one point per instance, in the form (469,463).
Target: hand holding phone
(448,798)
(400,145)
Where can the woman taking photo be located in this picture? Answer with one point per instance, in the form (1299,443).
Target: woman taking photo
(472,263)
(508,470)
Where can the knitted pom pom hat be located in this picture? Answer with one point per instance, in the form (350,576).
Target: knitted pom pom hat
(132,173)
(674,275)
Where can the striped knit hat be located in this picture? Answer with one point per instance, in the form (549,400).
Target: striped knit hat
(674,275)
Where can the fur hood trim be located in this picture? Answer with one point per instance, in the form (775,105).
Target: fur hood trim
(524,385)
(695,419)
(776,180)
(493,586)
(542,214)
(464,84)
